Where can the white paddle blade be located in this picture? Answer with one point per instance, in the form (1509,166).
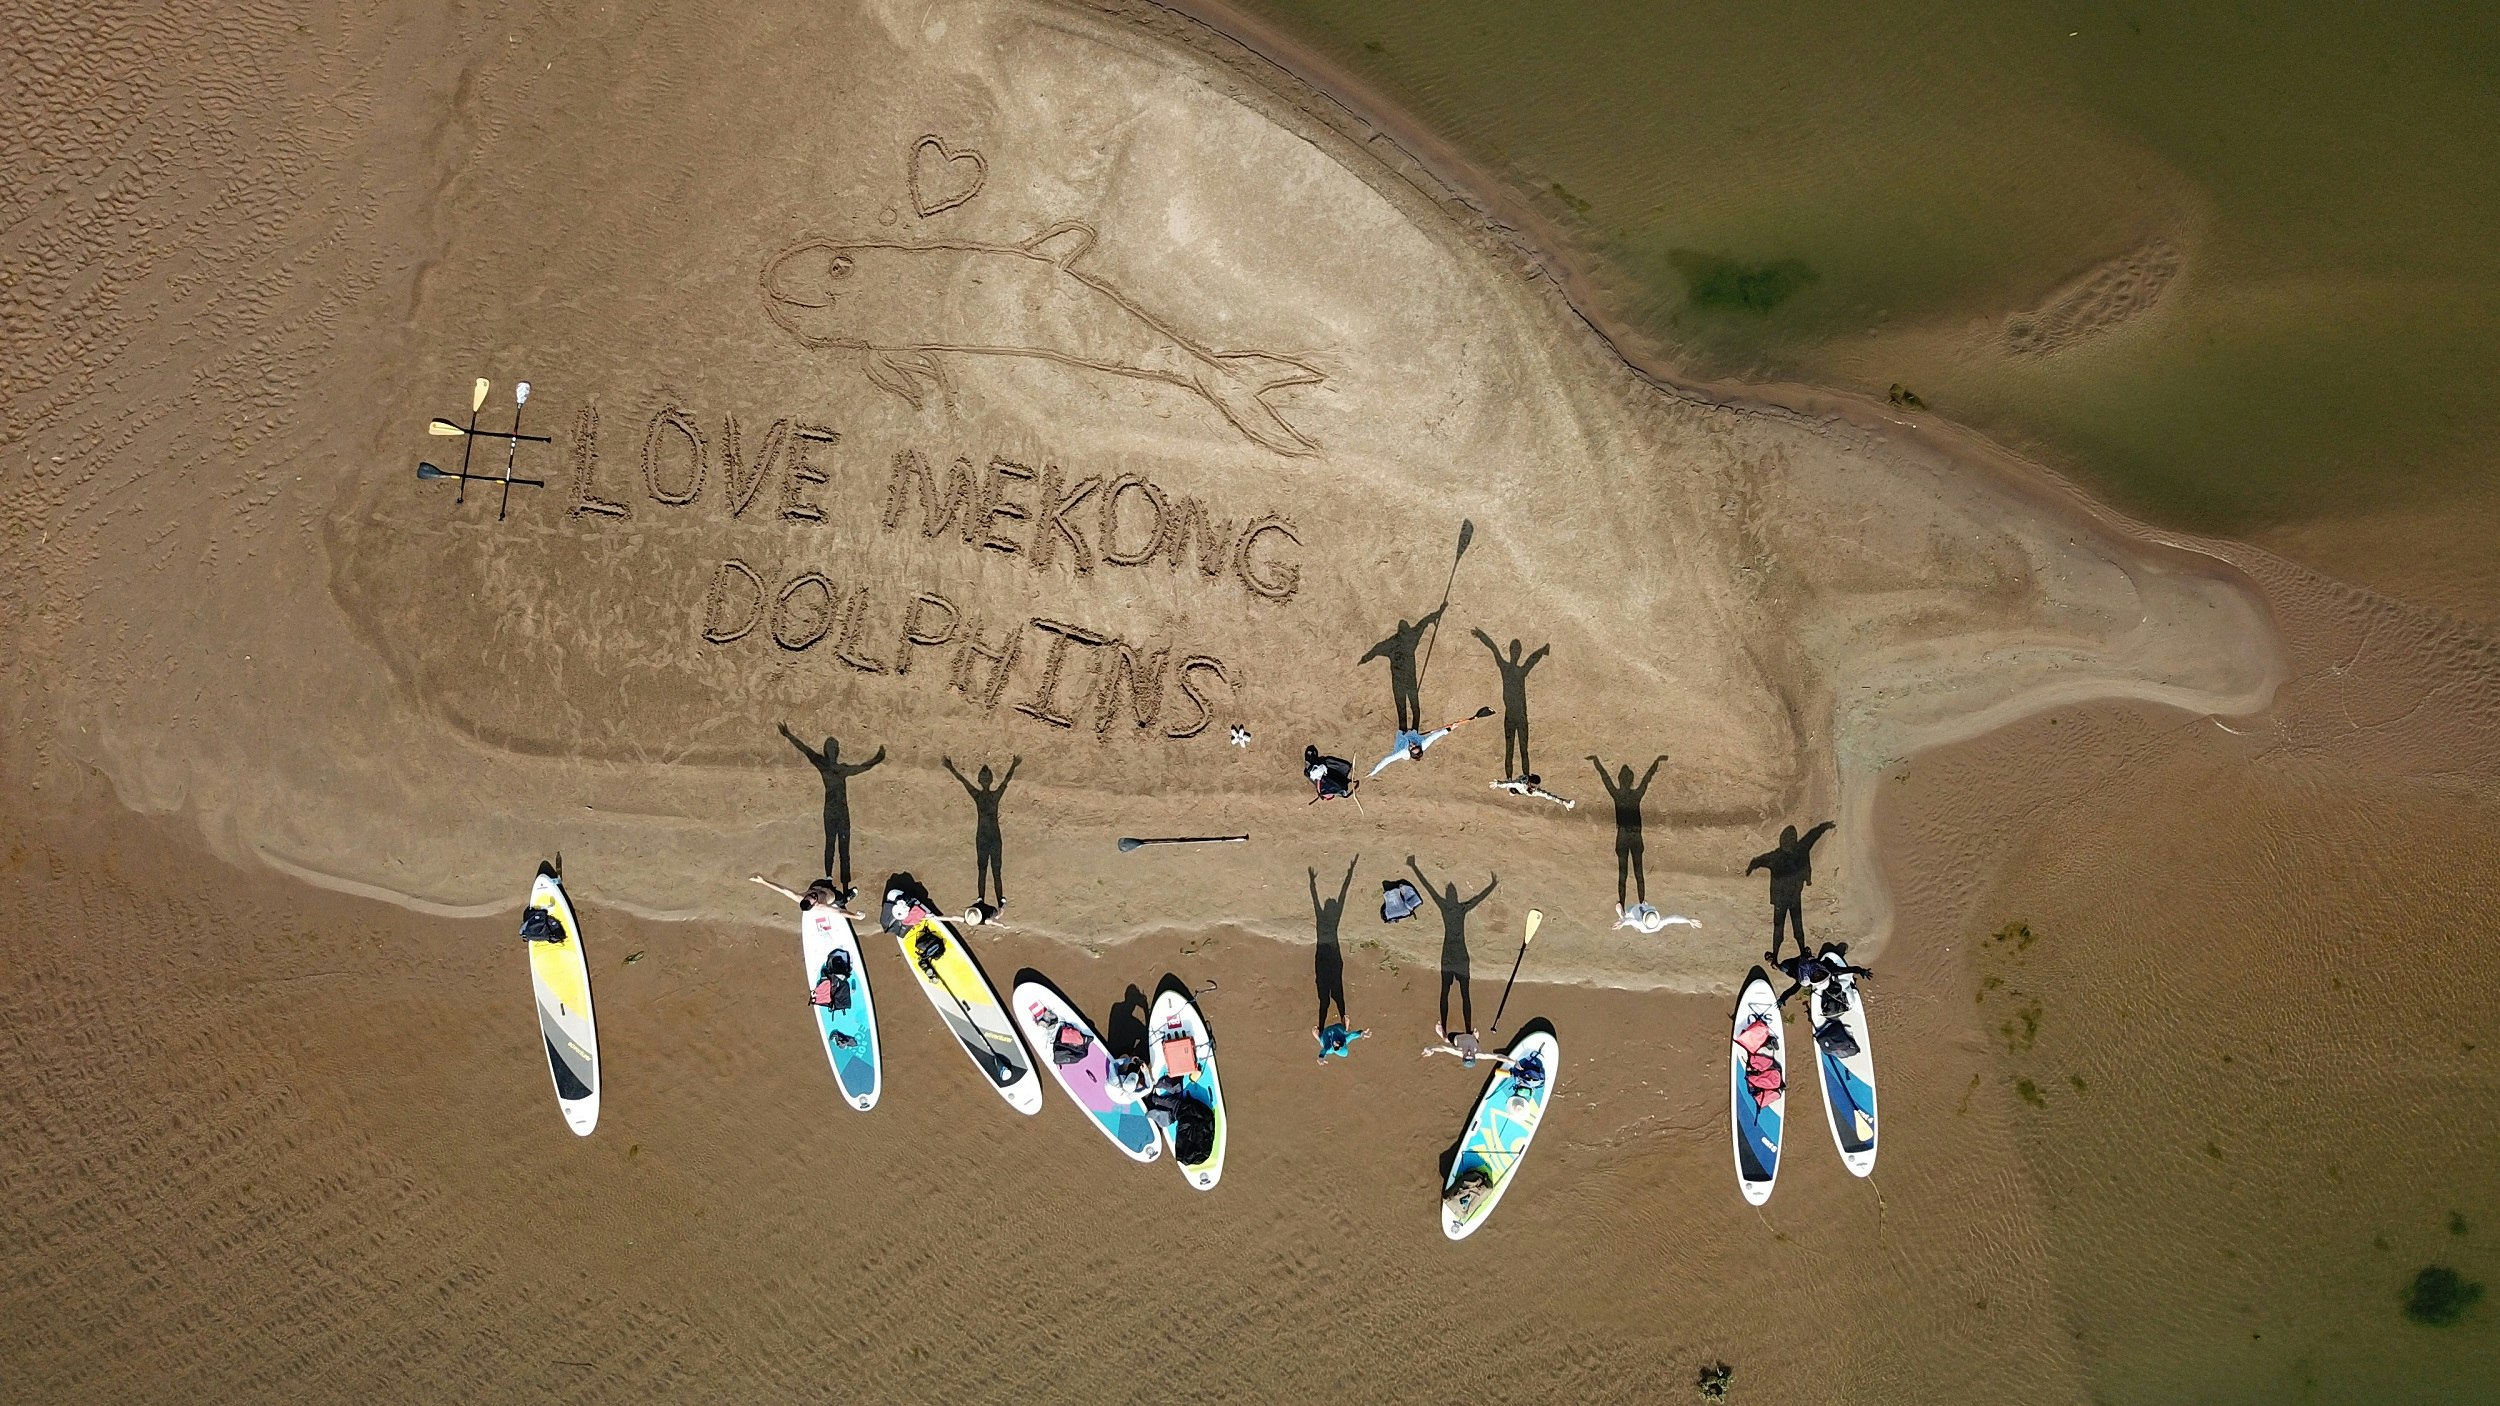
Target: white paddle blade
(477,395)
(1536,919)
(521,394)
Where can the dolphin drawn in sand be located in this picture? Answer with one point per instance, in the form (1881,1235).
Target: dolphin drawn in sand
(904,306)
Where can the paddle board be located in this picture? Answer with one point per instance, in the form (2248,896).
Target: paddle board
(1498,1132)
(1042,1013)
(849,1035)
(1755,1119)
(968,1004)
(1175,1015)
(560,978)
(1848,1082)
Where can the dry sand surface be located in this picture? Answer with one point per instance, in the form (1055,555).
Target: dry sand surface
(977,382)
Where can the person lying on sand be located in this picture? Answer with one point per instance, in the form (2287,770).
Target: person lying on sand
(1829,964)
(1649,919)
(1464,1045)
(1411,745)
(822,893)
(1337,1039)
(1531,785)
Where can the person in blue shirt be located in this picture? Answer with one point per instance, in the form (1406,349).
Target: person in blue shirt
(1337,1039)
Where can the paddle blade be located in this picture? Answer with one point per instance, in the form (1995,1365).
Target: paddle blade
(1128,844)
(1466,534)
(429,471)
(1536,919)
(477,395)
(443,427)
(1484,712)
(521,394)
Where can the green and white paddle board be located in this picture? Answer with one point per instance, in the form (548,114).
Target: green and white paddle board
(1176,1019)
(848,1027)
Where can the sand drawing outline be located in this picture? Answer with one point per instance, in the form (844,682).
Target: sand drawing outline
(811,276)
(921,186)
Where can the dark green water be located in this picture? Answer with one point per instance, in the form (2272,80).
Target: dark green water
(1862,195)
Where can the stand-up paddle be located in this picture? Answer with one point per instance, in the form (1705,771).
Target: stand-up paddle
(520,401)
(1466,534)
(1536,917)
(430,472)
(1129,843)
(477,402)
(445,429)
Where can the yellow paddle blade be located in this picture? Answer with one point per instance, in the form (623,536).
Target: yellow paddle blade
(1536,919)
(1866,1126)
(477,394)
(444,427)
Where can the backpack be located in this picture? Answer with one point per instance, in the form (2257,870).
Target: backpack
(833,982)
(1193,1132)
(1069,1044)
(1835,1039)
(1398,900)
(1835,998)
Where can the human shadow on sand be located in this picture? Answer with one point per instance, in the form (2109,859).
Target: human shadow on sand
(1514,669)
(1328,958)
(1628,846)
(989,844)
(1449,1154)
(1405,679)
(836,774)
(1124,1025)
(1454,963)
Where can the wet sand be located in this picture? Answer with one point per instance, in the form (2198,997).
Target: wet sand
(302,1145)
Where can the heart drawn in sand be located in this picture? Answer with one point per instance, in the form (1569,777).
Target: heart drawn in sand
(943,178)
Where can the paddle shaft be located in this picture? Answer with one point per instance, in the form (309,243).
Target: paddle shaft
(1505,1001)
(511,449)
(496,478)
(446,429)
(948,987)
(1190,840)
(1466,534)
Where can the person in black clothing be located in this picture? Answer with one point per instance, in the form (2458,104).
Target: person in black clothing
(1331,778)
(1807,972)
(1405,682)
(1454,968)
(1628,845)
(1792,868)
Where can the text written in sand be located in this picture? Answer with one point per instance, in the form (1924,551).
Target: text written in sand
(794,475)
(1057,672)
(1056,519)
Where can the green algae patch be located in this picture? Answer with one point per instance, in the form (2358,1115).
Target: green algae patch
(2439,1297)
(1717,283)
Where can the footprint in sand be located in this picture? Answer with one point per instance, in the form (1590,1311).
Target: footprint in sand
(2099,300)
